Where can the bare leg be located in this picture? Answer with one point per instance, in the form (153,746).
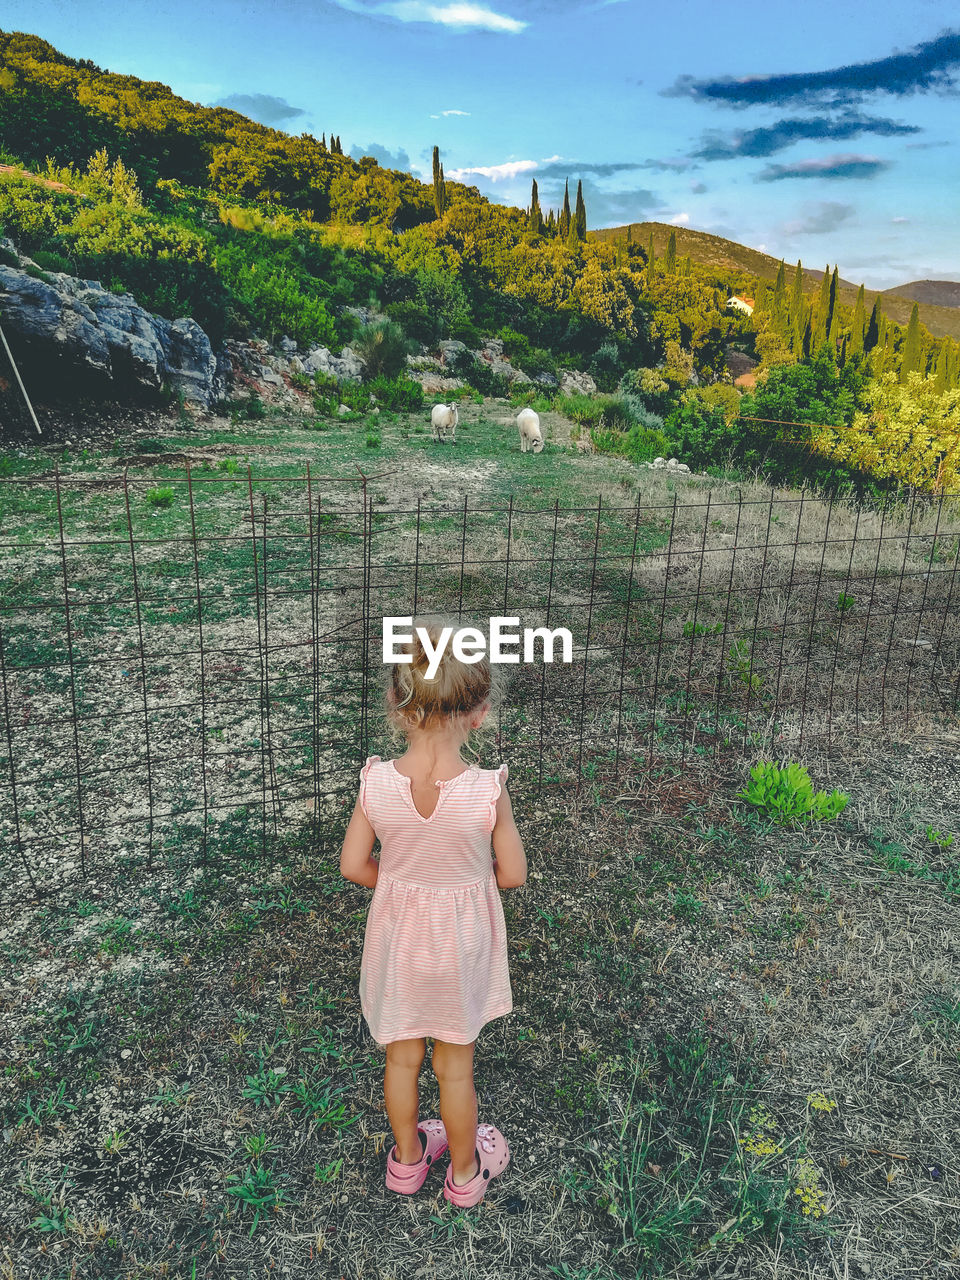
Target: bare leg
(453,1067)
(401,1094)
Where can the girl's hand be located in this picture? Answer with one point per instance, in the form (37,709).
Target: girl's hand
(356,863)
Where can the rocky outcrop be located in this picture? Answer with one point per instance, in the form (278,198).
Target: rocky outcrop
(347,366)
(573,382)
(66,330)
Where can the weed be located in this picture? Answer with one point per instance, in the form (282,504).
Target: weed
(740,662)
(691,629)
(939,838)
(257,1145)
(328,1172)
(257,1190)
(787,794)
(321,1103)
(161,496)
(267,1086)
(844,602)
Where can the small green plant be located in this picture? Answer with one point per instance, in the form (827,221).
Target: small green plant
(267,1086)
(230,465)
(786,793)
(844,602)
(258,1191)
(162,496)
(114,1142)
(941,839)
(372,441)
(257,1145)
(740,662)
(321,1103)
(328,1172)
(691,629)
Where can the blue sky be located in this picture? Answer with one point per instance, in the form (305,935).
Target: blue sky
(825,131)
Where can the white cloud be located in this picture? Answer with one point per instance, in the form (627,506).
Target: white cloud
(441,114)
(462,17)
(680,219)
(899,219)
(494,172)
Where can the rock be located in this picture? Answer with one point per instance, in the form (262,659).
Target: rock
(270,376)
(492,354)
(365,315)
(573,382)
(67,329)
(547,380)
(451,350)
(287,346)
(347,366)
(296,365)
(433,384)
(424,362)
(493,348)
(344,410)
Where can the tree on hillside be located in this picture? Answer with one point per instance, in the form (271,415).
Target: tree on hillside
(858,326)
(563,225)
(536,217)
(910,357)
(670,262)
(580,217)
(874,332)
(833,314)
(439,186)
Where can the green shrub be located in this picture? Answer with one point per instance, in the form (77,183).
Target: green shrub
(638,444)
(786,793)
(400,394)
(605,368)
(162,496)
(383,349)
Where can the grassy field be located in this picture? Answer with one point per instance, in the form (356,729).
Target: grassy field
(735,1045)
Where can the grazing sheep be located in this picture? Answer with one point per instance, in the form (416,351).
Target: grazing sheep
(529,423)
(443,418)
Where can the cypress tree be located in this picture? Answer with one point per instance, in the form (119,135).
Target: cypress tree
(323,142)
(670,262)
(833,316)
(942,374)
(796,297)
(779,293)
(439,187)
(563,225)
(821,309)
(651,260)
(910,359)
(873,334)
(807,340)
(858,325)
(580,217)
(536,217)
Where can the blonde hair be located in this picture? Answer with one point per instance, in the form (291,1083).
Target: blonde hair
(457,688)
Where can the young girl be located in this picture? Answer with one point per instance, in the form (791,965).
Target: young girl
(435,951)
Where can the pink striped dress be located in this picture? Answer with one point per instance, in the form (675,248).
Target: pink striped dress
(435,949)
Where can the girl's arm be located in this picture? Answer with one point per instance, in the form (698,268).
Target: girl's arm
(510,862)
(356,863)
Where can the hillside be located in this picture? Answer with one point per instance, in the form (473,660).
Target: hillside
(941,293)
(940,316)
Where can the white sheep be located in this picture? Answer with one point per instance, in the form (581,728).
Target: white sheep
(529,423)
(443,418)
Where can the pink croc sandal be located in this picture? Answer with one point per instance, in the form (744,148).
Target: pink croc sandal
(493,1155)
(408,1178)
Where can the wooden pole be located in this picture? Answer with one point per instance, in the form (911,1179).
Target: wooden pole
(16,372)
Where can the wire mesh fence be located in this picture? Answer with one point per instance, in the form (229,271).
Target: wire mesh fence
(194,669)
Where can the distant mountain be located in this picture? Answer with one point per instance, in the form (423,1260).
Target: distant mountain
(940,316)
(941,293)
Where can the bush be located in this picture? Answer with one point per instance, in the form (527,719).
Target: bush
(638,444)
(479,375)
(605,367)
(400,394)
(383,349)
